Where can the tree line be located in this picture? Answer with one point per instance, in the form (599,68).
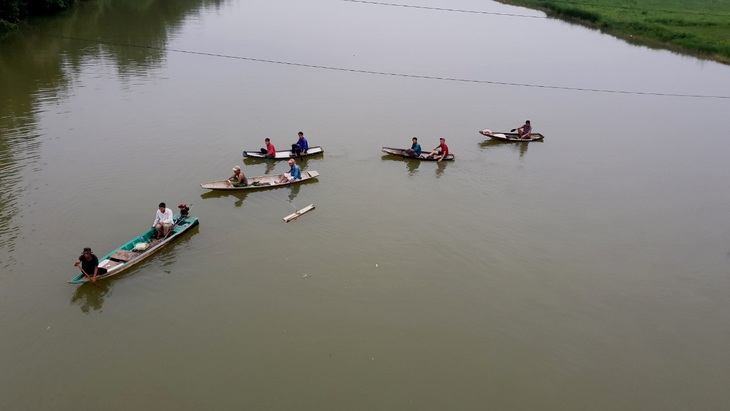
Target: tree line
(13,12)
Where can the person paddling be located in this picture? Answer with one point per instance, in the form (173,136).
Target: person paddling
(89,265)
(525,131)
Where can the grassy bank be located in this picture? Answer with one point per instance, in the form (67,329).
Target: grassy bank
(696,27)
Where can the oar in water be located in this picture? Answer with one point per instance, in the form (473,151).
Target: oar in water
(89,277)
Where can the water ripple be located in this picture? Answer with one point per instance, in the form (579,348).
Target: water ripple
(19,149)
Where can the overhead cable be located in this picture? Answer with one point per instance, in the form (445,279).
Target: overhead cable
(384,73)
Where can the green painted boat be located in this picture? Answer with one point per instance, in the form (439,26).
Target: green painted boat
(140,248)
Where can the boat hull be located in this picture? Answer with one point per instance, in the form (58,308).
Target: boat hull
(259,183)
(513,137)
(125,257)
(284,154)
(401,152)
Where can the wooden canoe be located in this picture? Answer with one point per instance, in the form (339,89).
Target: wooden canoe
(258,183)
(125,256)
(401,152)
(514,137)
(285,154)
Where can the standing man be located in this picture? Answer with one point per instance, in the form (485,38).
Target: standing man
(270,150)
(163,221)
(301,146)
(440,152)
(415,150)
(89,264)
(295,173)
(525,131)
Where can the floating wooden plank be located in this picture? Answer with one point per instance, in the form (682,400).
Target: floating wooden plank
(296,215)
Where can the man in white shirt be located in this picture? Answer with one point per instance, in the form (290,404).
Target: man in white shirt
(163,221)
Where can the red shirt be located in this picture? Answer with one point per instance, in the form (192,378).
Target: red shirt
(444,149)
(270,149)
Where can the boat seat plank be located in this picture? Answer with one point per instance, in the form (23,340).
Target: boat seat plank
(122,255)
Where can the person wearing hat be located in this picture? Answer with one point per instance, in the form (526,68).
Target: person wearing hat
(89,264)
(163,221)
(238,179)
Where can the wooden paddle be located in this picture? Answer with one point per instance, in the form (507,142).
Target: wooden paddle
(89,277)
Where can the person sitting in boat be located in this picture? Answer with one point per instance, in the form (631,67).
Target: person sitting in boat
(270,150)
(301,146)
(163,221)
(415,150)
(440,152)
(295,173)
(525,131)
(238,179)
(89,264)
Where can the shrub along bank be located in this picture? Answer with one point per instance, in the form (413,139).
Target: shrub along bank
(697,27)
(13,12)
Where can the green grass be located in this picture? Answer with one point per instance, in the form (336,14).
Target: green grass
(696,27)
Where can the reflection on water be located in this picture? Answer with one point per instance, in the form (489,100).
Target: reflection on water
(19,149)
(412,166)
(520,147)
(91,298)
(440,168)
(293,191)
(239,194)
(34,74)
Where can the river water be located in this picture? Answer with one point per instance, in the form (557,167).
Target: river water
(589,271)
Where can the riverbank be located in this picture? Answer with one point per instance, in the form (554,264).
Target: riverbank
(697,27)
(13,12)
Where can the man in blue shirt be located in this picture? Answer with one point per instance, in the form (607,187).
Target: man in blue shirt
(295,173)
(415,150)
(301,146)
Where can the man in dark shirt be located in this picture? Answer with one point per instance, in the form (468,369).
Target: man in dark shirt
(89,264)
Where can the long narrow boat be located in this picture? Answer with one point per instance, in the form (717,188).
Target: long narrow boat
(513,137)
(261,182)
(139,248)
(401,152)
(285,154)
